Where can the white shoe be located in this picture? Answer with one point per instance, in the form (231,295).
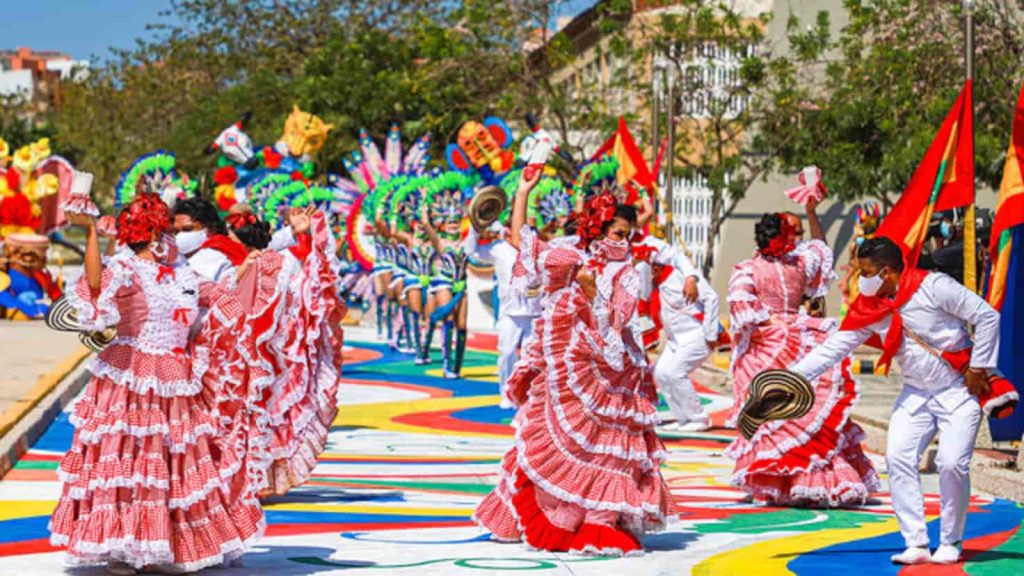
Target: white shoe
(912,555)
(120,568)
(695,426)
(946,554)
(671,428)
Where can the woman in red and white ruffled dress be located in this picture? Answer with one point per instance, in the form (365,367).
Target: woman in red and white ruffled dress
(814,460)
(293,347)
(144,477)
(583,475)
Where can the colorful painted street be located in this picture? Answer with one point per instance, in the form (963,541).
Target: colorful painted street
(411,455)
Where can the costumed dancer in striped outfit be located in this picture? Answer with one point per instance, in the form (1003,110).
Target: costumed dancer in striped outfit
(814,460)
(584,473)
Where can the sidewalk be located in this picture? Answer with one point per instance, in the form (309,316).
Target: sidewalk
(30,351)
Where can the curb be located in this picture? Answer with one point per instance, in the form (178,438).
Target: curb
(25,421)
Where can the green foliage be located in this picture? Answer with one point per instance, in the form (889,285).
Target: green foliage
(888,81)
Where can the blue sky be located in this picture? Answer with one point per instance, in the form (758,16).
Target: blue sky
(86,28)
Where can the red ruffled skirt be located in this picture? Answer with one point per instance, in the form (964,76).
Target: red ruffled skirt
(584,473)
(142,480)
(815,460)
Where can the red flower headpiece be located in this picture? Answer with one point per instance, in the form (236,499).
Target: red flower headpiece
(137,222)
(784,242)
(239,220)
(599,209)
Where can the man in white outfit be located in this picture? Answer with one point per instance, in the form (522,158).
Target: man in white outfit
(196,223)
(516,312)
(935,312)
(691,330)
(689,317)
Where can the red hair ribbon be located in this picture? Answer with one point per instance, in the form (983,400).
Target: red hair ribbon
(138,221)
(599,210)
(784,242)
(240,220)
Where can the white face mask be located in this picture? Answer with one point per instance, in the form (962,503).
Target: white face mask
(869,286)
(189,242)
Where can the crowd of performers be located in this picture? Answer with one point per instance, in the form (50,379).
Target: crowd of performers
(220,319)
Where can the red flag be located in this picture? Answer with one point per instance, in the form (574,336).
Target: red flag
(632,165)
(943,180)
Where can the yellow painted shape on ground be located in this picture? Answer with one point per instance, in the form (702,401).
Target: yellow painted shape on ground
(11,509)
(772,556)
(479,373)
(364,509)
(379,415)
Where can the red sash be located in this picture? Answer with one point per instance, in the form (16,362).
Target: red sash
(867,310)
(234,251)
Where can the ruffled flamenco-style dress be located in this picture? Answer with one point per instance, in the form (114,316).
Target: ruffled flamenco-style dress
(816,459)
(295,322)
(146,481)
(583,475)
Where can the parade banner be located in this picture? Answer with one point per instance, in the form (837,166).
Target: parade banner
(1007,252)
(942,181)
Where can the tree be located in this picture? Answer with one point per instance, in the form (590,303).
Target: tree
(887,82)
(356,63)
(718,60)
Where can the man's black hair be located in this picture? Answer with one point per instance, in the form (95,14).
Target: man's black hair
(202,211)
(883,252)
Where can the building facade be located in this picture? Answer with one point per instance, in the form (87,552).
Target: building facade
(36,78)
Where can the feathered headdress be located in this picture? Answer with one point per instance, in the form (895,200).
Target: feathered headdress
(153,173)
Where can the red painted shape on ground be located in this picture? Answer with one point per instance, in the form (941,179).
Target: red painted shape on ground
(443,420)
(431,391)
(32,475)
(299,529)
(412,476)
(355,355)
(485,342)
(38,457)
(35,546)
(971,548)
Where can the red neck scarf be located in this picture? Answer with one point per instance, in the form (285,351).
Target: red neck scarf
(303,246)
(235,251)
(654,307)
(866,310)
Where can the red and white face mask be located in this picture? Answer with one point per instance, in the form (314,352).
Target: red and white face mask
(165,249)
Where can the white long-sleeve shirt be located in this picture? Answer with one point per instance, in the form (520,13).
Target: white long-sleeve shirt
(938,313)
(679,317)
(213,265)
(503,256)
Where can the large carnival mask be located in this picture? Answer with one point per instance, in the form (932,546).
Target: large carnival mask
(478,146)
(26,252)
(304,133)
(234,143)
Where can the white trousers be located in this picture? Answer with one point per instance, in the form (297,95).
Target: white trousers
(513,331)
(682,355)
(909,435)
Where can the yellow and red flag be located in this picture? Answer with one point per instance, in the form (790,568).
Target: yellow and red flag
(632,166)
(942,181)
(1009,209)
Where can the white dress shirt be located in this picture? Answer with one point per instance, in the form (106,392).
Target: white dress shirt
(503,256)
(938,313)
(679,317)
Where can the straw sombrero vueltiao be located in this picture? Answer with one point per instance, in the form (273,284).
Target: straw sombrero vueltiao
(775,395)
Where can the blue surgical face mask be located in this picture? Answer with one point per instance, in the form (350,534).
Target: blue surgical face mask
(860,240)
(946,230)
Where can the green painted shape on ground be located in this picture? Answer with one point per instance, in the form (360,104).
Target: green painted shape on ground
(450,486)
(1007,558)
(36,465)
(793,520)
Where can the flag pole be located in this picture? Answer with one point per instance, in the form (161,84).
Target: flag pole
(970,216)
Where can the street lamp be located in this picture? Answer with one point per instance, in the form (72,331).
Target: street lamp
(968,8)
